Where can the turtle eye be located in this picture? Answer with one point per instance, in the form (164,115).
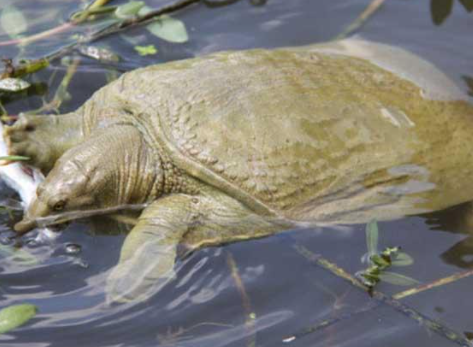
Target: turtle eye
(59,205)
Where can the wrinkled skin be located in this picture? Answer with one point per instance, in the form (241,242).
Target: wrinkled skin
(240,145)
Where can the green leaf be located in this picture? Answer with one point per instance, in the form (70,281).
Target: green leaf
(469,82)
(467,4)
(130,9)
(146,50)
(440,10)
(13,85)
(369,279)
(14,158)
(92,11)
(144,11)
(379,261)
(169,29)
(397,279)
(16,315)
(389,252)
(402,259)
(20,256)
(372,237)
(28,67)
(13,21)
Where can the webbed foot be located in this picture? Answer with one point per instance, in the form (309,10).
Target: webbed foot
(43,139)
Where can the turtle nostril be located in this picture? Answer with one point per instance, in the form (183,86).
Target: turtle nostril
(24,226)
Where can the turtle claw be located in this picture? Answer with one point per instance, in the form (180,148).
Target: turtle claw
(138,278)
(27,137)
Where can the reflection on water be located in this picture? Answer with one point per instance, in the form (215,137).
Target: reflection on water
(469,81)
(458,219)
(204,305)
(442,9)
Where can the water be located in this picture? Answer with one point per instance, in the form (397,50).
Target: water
(285,293)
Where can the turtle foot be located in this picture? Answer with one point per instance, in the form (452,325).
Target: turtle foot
(43,139)
(33,137)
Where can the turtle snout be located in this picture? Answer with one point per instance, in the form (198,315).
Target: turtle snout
(36,210)
(24,226)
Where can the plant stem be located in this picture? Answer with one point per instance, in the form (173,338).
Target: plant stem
(54,31)
(358,23)
(39,36)
(111,29)
(3,111)
(423,320)
(249,313)
(437,283)
(94,6)
(61,91)
(116,27)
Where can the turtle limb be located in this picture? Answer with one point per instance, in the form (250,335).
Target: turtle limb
(225,220)
(43,139)
(149,253)
(457,219)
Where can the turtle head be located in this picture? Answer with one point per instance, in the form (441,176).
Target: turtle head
(99,176)
(67,192)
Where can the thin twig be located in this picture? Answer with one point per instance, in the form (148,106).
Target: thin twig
(423,320)
(374,304)
(358,23)
(337,306)
(111,29)
(61,91)
(249,313)
(116,27)
(3,111)
(330,321)
(42,35)
(54,31)
(434,284)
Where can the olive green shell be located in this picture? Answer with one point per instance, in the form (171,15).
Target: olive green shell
(307,133)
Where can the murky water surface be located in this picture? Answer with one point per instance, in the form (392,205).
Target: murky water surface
(282,293)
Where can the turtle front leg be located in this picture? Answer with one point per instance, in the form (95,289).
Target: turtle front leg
(149,253)
(43,139)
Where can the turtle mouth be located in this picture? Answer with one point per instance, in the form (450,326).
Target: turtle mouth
(30,220)
(28,223)
(25,226)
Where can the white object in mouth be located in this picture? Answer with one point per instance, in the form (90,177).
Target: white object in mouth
(24,180)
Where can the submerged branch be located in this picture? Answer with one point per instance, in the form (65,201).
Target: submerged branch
(42,35)
(437,283)
(249,313)
(61,93)
(57,30)
(432,325)
(358,23)
(109,30)
(116,27)
(375,304)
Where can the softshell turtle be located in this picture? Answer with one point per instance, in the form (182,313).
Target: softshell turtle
(238,145)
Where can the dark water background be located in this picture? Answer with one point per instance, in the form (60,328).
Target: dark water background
(203,306)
